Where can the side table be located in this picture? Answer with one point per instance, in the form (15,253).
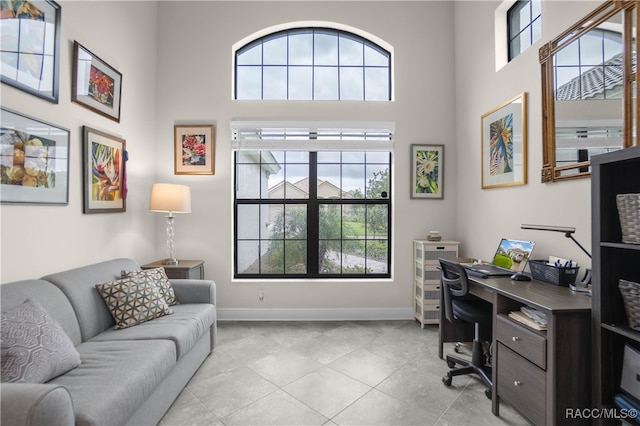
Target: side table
(191,269)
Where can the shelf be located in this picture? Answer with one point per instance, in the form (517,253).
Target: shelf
(622,246)
(613,173)
(623,330)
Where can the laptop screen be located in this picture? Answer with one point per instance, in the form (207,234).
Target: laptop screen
(513,254)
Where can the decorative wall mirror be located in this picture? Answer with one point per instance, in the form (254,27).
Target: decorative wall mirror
(589,91)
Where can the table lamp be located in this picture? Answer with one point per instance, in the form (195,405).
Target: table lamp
(166,197)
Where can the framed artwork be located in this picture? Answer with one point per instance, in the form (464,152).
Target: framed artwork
(194,150)
(427,171)
(504,144)
(103,172)
(30,53)
(35,160)
(96,85)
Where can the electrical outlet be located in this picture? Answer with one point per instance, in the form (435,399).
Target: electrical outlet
(261,295)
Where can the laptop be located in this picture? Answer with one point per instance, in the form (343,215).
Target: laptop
(511,256)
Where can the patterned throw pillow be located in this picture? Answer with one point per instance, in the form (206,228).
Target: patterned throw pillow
(35,348)
(133,300)
(160,279)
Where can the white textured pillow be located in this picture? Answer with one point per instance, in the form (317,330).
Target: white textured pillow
(133,300)
(35,348)
(160,279)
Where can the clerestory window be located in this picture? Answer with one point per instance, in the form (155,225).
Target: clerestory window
(312,64)
(524,25)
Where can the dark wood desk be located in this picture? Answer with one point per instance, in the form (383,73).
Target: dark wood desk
(540,373)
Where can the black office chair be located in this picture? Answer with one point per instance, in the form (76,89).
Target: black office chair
(459,305)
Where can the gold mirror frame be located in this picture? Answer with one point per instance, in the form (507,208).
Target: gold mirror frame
(631,101)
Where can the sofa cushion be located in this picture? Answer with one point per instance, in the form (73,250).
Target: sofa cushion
(115,378)
(184,328)
(79,286)
(50,297)
(34,346)
(133,300)
(160,279)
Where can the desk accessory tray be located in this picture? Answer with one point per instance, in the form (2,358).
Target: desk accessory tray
(558,275)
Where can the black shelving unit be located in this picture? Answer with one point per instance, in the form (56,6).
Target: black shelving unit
(612,174)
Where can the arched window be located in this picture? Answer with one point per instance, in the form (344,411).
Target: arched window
(312,63)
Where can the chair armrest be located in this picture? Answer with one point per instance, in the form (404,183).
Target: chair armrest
(194,291)
(35,404)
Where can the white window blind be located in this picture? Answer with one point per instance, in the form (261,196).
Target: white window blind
(313,136)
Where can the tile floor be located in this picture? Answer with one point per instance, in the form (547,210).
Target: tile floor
(331,373)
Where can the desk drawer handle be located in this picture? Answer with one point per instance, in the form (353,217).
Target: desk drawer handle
(515,338)
(517,383)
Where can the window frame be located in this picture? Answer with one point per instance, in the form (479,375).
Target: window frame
(340,31)
(248,138)
(516,7)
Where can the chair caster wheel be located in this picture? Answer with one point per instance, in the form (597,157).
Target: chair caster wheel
(487,393)
(451,364)
(447,381)
(456,349)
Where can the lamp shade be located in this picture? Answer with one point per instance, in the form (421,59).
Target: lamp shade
(166,197)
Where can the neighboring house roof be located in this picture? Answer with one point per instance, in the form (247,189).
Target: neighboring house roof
(300,189)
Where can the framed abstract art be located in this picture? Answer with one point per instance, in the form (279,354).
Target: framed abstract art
(504,144)
(104,171)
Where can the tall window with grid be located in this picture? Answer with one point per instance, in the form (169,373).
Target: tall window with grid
(312,203)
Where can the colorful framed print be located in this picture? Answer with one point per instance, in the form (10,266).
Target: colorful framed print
(30,53)
(427,171)
(504,144)
(34,166)
(194,150)
(103,172)
(96,85)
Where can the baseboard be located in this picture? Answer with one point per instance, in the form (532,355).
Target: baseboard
(337,314)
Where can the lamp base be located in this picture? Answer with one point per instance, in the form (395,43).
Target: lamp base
(170,262)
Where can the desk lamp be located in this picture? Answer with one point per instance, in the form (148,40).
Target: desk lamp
(170,198)
(568,231)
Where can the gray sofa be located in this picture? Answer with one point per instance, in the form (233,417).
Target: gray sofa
(126,376)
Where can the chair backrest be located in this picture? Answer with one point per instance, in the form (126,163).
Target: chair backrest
(453,278)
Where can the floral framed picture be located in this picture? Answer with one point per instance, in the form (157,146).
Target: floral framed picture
(104,172)
(427,171)
(34,164)
(504,144)
(96,85)
(30,54)
(194,150)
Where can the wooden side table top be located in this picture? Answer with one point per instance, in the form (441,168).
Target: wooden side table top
(181,264)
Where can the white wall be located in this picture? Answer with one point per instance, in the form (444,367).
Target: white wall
(194,68)
(445,80)
(485,215)
(36,239)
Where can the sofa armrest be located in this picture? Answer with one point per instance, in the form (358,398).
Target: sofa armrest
(35,404)
(194,291)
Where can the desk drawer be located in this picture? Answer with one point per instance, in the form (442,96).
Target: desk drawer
(525,342)
(522,384)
